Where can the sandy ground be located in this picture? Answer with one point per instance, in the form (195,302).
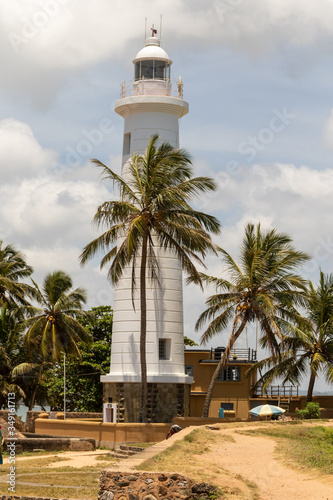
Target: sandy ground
(248,458)
(255,459)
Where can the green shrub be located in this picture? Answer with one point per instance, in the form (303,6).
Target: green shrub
(312,410)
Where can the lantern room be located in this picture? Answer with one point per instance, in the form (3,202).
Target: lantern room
(152,69)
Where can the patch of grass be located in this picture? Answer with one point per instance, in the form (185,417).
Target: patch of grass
(140,445)
(192,446)
(56,484)
(307,446)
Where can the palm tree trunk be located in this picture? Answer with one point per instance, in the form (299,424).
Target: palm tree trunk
(222,364)
(143,329)
(33,397)
(310,388)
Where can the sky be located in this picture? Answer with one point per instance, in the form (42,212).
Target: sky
(258,79)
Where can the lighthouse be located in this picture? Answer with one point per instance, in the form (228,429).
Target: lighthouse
(150,104)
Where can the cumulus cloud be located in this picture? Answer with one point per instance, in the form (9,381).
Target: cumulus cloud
(20,153)
(57,37)
(47,214)
(295,200)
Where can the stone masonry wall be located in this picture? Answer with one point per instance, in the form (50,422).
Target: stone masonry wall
(19,426)
(151,486)
(164,401)
(33,415)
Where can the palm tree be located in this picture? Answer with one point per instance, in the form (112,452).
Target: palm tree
(153,211)
(262,287)
(11,341)
(13,268)
(55,327)
(309,344)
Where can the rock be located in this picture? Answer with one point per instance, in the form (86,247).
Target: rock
(131,478)
(107,495)
(78,445)
(149,497)
(149,481)
(182,484)
(203,488)
(122,484)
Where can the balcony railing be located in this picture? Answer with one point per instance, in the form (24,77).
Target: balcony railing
(152,87)
(236,355)
(275,392)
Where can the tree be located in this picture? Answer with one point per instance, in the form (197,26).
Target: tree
(84,390)
(153,211)
(56,325)
(53,329)
(11,343)
(308,343)
(13,268)
(262,287)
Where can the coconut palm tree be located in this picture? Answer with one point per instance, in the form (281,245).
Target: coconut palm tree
(55,327)
(11,341)
(13,269)
(262,287)
(308,344)
(153,211)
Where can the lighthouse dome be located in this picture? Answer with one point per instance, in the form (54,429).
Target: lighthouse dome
(152,50)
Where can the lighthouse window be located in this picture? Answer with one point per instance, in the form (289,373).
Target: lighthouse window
(164,348)
(147,69)
(127,144)
(138,70)
(159,70)
(150,69)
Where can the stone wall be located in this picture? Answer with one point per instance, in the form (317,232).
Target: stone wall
(33,415)
(164,401)
(51,444)
(19,426)
(151,486)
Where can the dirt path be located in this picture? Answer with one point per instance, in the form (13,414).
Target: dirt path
(254,458)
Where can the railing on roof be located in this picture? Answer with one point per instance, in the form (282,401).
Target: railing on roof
(152,87)
(275,391)
(237,354)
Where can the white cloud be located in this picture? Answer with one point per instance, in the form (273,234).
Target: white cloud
(20,153)
(57,37)
(48,214)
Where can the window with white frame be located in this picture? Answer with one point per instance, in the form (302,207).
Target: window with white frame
(230,374)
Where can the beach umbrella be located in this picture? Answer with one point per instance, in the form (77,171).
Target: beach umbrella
(266,411)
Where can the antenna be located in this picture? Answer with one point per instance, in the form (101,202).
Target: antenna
(145,29)
(161,27)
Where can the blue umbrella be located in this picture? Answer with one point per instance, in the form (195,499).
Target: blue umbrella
(266,410)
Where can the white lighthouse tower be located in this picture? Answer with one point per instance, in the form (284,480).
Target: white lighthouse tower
(150,105)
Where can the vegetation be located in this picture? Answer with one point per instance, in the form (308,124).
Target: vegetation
(53,329)
(307,344)
(307,446)
(64,482)
(84,390)
(11,346)
(153,212)
(262,287)
(311,411)
(13,269)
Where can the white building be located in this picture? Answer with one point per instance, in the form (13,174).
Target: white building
(150,104)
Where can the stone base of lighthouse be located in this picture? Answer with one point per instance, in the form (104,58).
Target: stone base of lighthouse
(164,402)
